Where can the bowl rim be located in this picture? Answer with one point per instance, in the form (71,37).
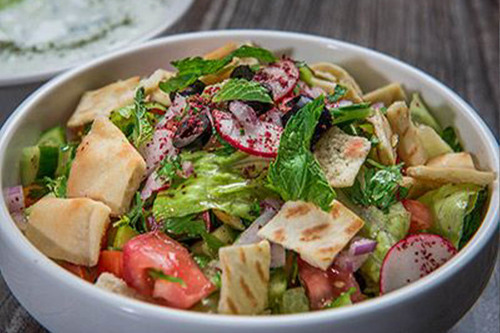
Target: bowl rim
(12,80)
(16,239)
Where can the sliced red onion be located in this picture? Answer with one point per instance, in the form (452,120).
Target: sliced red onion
(271,203)
(187,169)
(244,114)
(312,92)
(20,219)
(153,184)
(207,219)
(15,198)
(363,246)
(378,105)
(153,224)
(249,236)
(353,257)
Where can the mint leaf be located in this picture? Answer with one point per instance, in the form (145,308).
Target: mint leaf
(190,69)
(338,92)
(295,174)
(189,225)
(159,275)
(243,90)
(56,186)
(136,216)
(379,187)
(143,130)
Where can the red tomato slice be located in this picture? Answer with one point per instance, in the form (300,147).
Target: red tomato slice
(324,286)
(155,250)
(421,215)
(111,262)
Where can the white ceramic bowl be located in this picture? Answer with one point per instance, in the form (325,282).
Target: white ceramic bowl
(64,303)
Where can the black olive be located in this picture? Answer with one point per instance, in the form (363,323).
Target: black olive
(193,132)
(259,107)
(295,104)
(193,89)
(242,72)
(324,123)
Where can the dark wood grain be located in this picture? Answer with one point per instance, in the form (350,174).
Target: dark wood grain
(456,41)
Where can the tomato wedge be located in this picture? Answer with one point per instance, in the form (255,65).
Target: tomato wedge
(324,286)
(280,78)
(421,215)
(155,250)
(111,262)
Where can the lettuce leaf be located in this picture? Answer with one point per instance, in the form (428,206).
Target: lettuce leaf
(420,114)
(216,183)
(241,89)
(387,229)
(450,137)
(451,206)
(295,174)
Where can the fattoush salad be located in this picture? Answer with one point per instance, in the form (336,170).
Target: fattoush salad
(247,183)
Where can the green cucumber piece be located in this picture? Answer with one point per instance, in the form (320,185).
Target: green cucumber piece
(30,158)
(277,287)
(224,234)
(66,154)
(123,234)
(47,163)
(421,115)
(306,75)
(53,137)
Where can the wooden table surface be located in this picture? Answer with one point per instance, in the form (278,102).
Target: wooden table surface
(455,41)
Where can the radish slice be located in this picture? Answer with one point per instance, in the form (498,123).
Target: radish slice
(280,78)
(413,258)
(260,140)
(244,113)
(273,116)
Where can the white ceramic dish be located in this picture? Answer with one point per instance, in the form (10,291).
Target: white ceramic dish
(64,303)
(173,10)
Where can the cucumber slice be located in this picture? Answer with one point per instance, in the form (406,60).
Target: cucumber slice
(53,137)
(47,163)
(277,287)
(421,115)
(66,154)
(123,235)
(30,158)
(224,233)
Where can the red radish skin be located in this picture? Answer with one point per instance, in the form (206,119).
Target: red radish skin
(413,258)
(280,77)
(261,139)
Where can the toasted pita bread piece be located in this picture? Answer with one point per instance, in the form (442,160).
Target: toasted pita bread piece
(329,72)
(318,236)
(385,152)
(103,101)
(152,89)
(106,167)
(245,278)
(451,175)
(340,156)
(387,94)
(68,229)
(452,160)
(410,148)
(109,282)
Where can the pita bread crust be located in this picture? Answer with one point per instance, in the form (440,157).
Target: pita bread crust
(68,229)
(455,160)
(106,168)
(333,73)
(341,156)
(152,88)
(103,101)
(387,94)
(385,151)
(245,278)
(318,236)
(109,282)
(410,148)
(451,175)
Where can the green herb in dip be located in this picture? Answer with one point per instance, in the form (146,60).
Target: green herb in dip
(42,34)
